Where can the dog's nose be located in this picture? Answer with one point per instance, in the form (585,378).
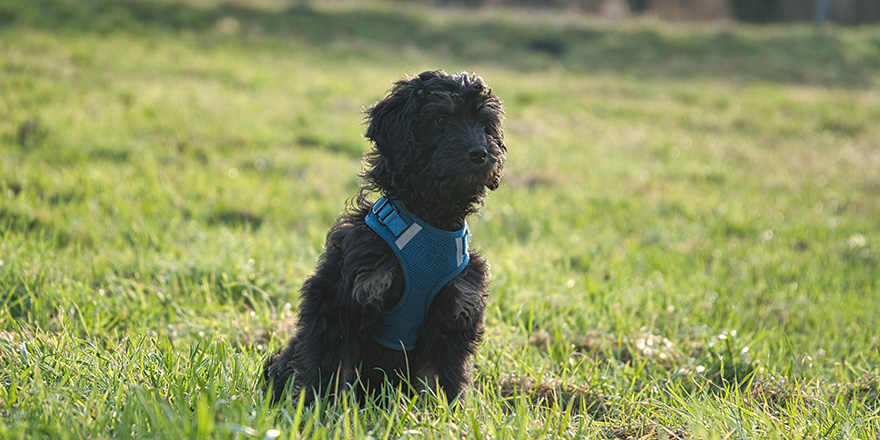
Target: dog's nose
(478,154)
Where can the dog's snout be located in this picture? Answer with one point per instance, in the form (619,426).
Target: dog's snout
(478,154)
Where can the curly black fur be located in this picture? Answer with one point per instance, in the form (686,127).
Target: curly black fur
(437,147)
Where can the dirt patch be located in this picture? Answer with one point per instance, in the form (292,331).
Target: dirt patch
(548,391)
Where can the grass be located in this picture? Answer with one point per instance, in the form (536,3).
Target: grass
(685,246)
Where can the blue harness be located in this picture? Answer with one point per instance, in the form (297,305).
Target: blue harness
(429,257)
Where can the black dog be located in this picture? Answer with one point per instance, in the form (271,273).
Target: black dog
(397,299)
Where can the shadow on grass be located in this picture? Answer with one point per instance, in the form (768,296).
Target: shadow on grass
(792,54)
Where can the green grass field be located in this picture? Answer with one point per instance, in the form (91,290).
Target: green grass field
(686,244)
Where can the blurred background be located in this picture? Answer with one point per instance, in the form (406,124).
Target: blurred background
(757,11)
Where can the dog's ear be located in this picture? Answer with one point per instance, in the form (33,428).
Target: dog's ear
(390,121)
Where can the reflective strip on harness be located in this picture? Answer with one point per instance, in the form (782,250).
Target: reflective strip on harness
(408,235)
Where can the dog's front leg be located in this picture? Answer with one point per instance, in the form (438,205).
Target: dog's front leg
(324,358)
(452,333)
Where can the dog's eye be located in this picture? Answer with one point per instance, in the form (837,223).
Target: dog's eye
(440,120)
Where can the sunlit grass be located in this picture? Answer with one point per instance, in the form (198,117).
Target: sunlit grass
(685,245)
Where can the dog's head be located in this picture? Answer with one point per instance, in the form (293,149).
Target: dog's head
(436,136)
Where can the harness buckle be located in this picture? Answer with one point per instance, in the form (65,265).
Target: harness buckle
(388,216)
(379,205)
